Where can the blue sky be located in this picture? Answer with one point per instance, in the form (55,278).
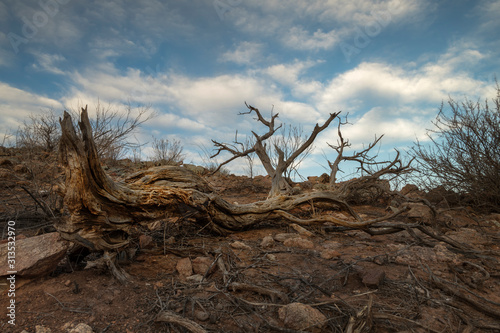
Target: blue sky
(389,64)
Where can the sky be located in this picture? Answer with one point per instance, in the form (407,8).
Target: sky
(388,64)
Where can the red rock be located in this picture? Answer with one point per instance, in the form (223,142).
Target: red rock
(34,256)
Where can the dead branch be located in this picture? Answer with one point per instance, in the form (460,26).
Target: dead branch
(481,304)
(259,290)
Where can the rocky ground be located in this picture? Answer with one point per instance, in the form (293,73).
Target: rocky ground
(279,277)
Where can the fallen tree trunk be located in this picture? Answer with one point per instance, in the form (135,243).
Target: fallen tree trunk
(102,212)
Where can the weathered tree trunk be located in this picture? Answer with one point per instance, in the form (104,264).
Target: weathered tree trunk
(102,212)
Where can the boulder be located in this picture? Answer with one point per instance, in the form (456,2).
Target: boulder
(34,256)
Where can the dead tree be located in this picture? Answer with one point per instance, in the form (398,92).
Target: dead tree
(102,212)
(371,169)
(279,183)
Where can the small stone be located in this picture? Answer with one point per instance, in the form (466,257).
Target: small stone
(240,246)
(299,316)
(67,283)
(81,328)
(267,242)
(301,230)
(184,267)
(202,264)
(299,242)
(372,278)
(201,315)
(284,236)
(330,254)
(42,329)
(196,278)
(270,257)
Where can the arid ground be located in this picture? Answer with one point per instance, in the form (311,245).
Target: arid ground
(346,280)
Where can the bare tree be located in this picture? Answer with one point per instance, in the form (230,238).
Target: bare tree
(167,152)
(464,154)
(113,127)
(279,183)
(370,168)
(40,133)
(288,140)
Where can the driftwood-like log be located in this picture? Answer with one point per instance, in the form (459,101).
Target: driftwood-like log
(101,212)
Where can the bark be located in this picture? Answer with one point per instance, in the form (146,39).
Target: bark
(102,212)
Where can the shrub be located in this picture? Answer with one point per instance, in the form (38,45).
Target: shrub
(464,151)
(167,152)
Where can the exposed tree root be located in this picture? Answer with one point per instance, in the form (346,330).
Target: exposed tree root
(102,211)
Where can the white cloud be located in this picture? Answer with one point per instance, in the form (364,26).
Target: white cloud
(246,53)
(300,39)
(382,83)
(335,20)
(16,105)
(48,63)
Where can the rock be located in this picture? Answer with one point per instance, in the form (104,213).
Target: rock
(35,256)
(42,329)
(372,277)
(184,267)
(324,179)
(299,242)
(267,242)
(420,211)
(467,236)
(81,328)
(408,188)
(201,315)
(299,316)
(301,230)
(240,246)
(145,242)
(270,257)
(330,254)
(199,170)
(284,236)
(202,264)
(196,278)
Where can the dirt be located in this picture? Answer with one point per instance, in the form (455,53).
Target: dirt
(331,277)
